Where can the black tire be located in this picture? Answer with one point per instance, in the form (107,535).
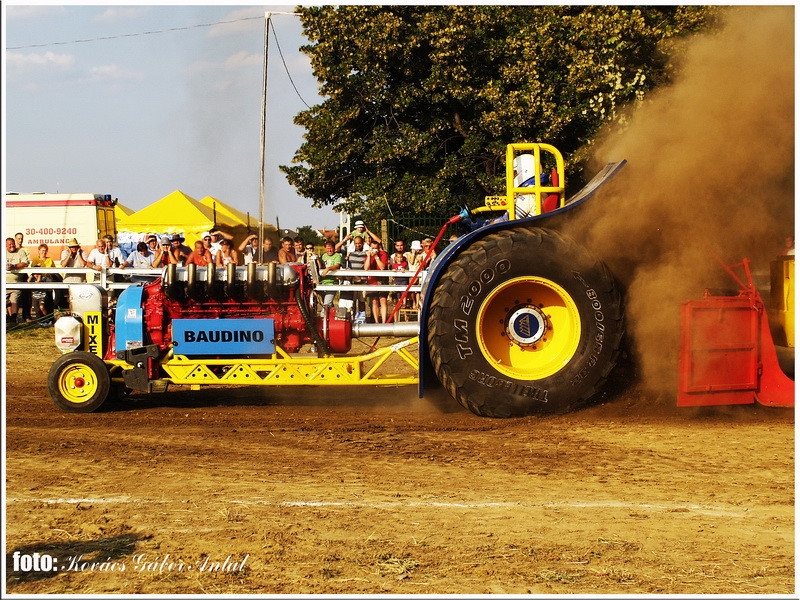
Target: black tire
(494,308)
(79,382)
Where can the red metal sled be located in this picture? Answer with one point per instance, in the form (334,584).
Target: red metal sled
(727,353)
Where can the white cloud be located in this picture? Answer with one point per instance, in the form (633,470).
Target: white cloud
(242,59)
(113,72)
(232,63)
(22,11)
(19,61)
(116,14)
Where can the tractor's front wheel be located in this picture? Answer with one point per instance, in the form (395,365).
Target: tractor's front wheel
(79,382)
(524,321)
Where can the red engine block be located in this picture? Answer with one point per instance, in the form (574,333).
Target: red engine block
(291,329)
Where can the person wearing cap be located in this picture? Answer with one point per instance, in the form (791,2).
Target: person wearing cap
(249,249)
(416,256)
(414,261)
(206,239)
(73,256)
(359,230)
(161,252)
(178,251)
(152,242)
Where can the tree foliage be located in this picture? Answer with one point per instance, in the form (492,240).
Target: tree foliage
(310,235)
(420,101)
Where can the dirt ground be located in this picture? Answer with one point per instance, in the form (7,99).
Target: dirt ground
(372,490)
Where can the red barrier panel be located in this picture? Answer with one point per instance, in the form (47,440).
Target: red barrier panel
(727,355)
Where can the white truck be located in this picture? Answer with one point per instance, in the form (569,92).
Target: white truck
(54,219)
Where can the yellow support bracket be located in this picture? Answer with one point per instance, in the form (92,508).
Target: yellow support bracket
(284,369)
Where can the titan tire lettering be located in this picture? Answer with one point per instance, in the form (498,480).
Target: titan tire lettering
(462,337)
(468,370)
(466,304)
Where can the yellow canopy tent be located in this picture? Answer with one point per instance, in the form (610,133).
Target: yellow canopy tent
(179,213)
(174,213)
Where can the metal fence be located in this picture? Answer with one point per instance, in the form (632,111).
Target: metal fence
(105,279)
(415,227)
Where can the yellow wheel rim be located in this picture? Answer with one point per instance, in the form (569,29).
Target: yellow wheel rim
(528,328)
(77,383)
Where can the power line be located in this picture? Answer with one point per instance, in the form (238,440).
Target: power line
(128,35)
(285,67)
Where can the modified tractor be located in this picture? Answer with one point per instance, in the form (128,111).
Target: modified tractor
(515,319)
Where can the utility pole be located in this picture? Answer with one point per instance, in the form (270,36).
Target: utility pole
(267,17)
(267,23)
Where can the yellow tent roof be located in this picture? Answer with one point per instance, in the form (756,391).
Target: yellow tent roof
(226,210)
(174,213)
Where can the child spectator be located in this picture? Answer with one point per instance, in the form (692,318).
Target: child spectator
(43,301)
(332,261)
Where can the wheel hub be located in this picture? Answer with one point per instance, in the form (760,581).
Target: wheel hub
(526,325)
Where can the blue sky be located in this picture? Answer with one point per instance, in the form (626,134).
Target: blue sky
(139,116)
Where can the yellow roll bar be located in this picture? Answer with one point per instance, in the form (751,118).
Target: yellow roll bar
(494,203)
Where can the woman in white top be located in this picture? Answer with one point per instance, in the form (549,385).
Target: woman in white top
(226,254)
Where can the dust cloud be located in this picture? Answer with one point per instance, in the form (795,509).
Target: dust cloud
(710,170)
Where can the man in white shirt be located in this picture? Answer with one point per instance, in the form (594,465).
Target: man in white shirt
(98,257)
(114,252)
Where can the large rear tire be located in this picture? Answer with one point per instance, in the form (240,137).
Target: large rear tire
(79,382)
(524,321)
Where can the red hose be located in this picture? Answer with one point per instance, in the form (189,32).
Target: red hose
(449,222)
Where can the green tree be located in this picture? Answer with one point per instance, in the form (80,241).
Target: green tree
(420,101)
(309,234)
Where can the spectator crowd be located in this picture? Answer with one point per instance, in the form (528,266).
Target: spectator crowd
(361,249)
